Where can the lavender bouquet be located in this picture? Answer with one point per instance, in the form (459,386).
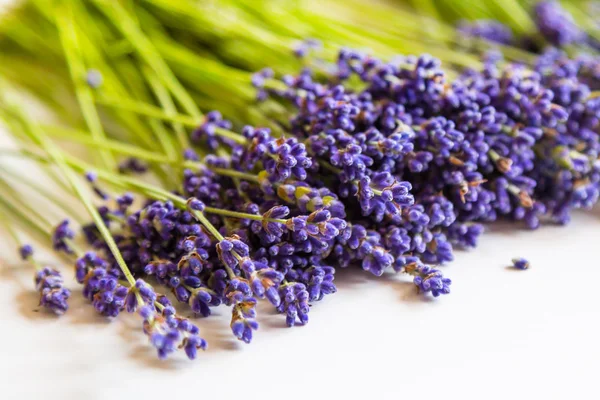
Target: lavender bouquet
(329,150)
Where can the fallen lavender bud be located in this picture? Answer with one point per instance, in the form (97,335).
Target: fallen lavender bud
(53,295)
(520,263)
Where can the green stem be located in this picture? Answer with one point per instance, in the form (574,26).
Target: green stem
(27,219)
(148,110)
(165,100)
(11,230)
(128,27)
(68,37)
(156,112)
(24,207)
(61,203)
(153,191)
(232,173)
(57,157)
(135,151)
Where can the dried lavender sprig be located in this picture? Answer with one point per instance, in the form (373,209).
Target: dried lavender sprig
(48,281)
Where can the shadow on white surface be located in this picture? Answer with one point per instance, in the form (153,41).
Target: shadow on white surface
(400,283)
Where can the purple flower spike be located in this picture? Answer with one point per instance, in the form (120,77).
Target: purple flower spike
(319,282)
(486,29)
(271,227)
(427,279)
(202,299)
(88,261)
(557,25)
(26,251)
(264,283)
(286,158)
(168,332)
(53,295)
(242,320)
(230,249)
(520,263)
(294,303)
(133,165)
(207,131)
(191,344)
(102,288)
(60,234)
(145,291)
(195,204)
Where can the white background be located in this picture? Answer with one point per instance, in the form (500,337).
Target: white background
(500,334)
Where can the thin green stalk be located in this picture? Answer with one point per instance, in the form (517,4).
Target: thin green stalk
(15,126)
(156,112)
(37,226)
(9,227)
(134,151)
(57,157)
(151,191)
(25,208)
(59,202)
(167,103)
(128,27)
(77,136)
(148,110)
(68,37)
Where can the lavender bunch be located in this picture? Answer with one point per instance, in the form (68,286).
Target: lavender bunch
(353,162)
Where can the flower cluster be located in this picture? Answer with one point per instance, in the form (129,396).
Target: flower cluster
(53,295)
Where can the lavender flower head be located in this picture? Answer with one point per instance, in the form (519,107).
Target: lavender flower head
(520,263)
(491,30)
(557,25)
(294,303)
(61,233)
(53,295)
(427,279)
(168,332)
(25,251)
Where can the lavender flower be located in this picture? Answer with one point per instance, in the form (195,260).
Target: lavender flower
(231,249)
(168,332)
(26,251)
(294,303)
(486,29)
(428,280)
(144,291)
(520,263)
(53,295)
(556,24)
(133,165)
(61,233)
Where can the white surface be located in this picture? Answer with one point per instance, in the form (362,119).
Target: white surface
(501,334)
